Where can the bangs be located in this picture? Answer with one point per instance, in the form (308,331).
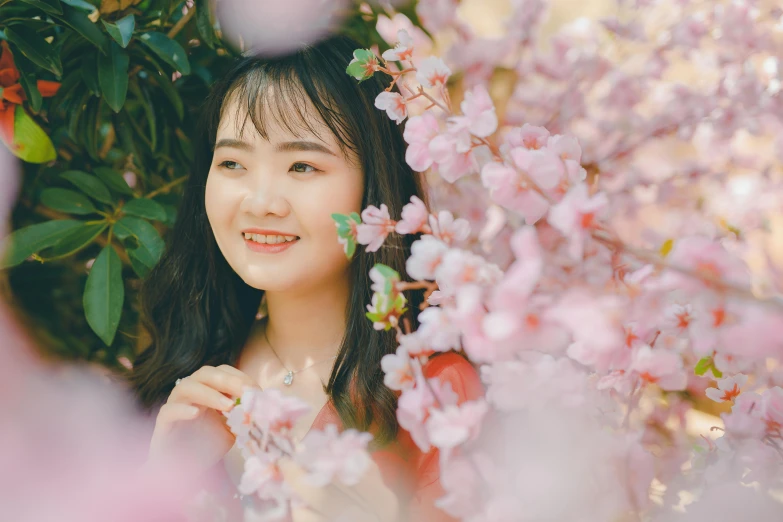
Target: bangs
(276,93)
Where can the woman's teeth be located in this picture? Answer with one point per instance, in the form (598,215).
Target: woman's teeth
(269,240)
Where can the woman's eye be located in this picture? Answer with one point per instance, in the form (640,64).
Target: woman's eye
(230,165)
(302,168)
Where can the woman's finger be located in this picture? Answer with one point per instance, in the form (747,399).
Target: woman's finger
(172,412)
(191,391)
(221,380)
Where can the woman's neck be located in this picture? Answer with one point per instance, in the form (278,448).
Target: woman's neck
(307,327)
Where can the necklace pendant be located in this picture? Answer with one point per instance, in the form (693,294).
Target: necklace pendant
(289,379)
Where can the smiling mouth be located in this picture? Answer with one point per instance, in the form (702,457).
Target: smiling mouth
(263,239)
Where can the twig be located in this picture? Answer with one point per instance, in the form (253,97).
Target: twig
(165,188)
(182,22)
(654,259)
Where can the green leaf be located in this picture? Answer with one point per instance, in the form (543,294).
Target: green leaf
(104,294)
(78,21)
(31,143)
(204,23)
(149,109)
(704,364)
(387,272)
(113,180)
(168,50)
(168,88)
(150,243)
(66,200)
(34,47)
(74,240)
(121,30)
(361,67)
(145,208)
(90,185)
(113,76)
(23,243)
(47,6)
(89,70)
(80,4)
(341,219)
(716,372)
(138,266)
(350,248)
(29,82)
(89,126)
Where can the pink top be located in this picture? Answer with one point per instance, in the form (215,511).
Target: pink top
(412,474)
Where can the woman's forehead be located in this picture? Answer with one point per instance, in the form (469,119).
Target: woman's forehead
(272,120)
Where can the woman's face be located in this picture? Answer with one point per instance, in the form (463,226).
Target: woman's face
(290,186)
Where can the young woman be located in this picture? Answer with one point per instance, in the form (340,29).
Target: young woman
(284,144)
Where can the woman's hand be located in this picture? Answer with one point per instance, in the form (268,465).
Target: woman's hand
(191,425)
(374,501)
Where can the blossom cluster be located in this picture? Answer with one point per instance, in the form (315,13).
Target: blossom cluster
(599,287)
(262,421)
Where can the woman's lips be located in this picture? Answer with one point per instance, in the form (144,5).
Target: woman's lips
(269,248)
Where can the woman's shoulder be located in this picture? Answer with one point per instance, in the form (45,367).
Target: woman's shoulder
(455,369)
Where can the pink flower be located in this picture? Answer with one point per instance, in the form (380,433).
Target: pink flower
(397,370)
(708,257)
(478,113)
(403,50)
(509,189)
(261,476)
(438,330)
(522,276)
(436,14)
(376,225)
(412,409)
(271,410)
(728,389)
(432,72)
(594,324)
(542,166)
(130,177)
(452,152)
(419,131)
(659,367)
(454,425)
(745,419)
(426,255)
(528,137)
(394,105)
(448,229)
(575,215)
(565,147)
(772,408)
(329,455)
(414,217)
(460,268)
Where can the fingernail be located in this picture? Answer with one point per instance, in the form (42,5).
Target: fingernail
(228,403)
(193,411)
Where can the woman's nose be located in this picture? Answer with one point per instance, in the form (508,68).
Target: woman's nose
(263,201)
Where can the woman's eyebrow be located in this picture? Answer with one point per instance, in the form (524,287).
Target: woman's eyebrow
(286,146)
(303,146)
(236,144)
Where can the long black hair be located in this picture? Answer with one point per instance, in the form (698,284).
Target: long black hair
(199,312)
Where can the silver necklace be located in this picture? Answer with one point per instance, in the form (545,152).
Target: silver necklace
(288,380)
